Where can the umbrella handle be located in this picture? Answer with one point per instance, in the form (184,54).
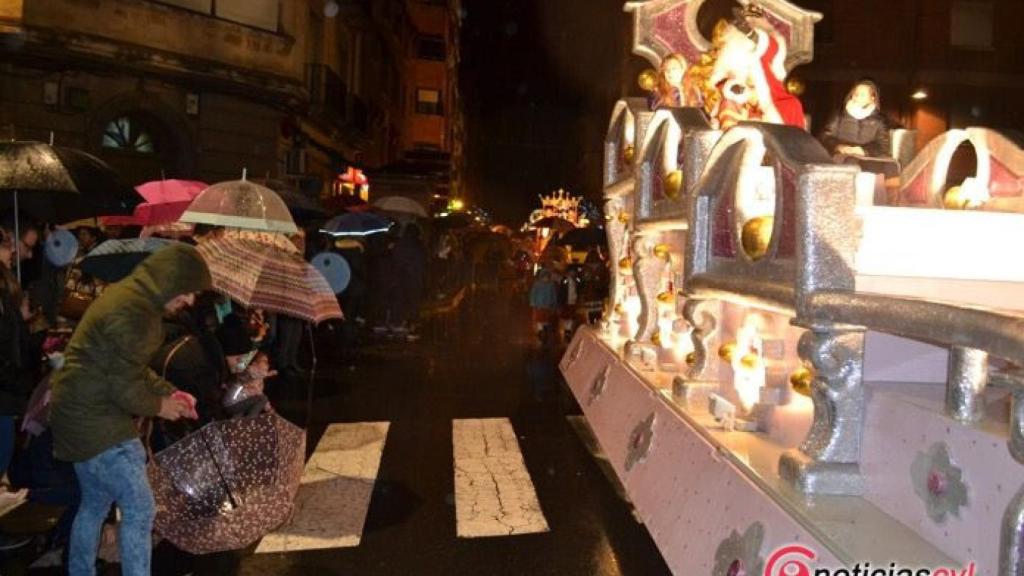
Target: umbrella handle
(220,473)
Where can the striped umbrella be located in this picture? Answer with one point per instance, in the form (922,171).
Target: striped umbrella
(261,275)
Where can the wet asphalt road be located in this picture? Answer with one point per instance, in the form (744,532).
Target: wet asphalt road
(485,365)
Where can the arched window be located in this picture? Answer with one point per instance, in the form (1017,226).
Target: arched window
(129,134)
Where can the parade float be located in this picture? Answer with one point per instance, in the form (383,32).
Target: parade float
(803,365)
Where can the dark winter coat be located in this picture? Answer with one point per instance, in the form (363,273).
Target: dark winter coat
(15,373)
(871,134)
(106,379)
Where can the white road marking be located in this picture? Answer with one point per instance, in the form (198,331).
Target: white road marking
(334,496)
(494,495)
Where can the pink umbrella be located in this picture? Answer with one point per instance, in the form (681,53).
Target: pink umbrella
(166,201)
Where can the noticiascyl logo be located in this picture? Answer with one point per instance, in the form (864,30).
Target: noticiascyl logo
(796,560)
(792,560)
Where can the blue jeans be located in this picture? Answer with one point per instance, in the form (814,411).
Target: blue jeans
(117,475)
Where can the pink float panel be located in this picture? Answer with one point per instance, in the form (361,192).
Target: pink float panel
(906,420)
(690,498)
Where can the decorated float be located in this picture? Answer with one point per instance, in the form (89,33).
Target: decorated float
(801,364)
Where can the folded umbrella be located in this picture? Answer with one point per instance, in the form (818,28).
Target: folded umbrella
(356,224)
(261,275)
(228,484)
(115,260)
(241,204)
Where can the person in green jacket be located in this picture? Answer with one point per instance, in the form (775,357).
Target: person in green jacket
(104,384)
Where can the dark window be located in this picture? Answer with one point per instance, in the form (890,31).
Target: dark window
(971,25)
(428,102)
(430,48)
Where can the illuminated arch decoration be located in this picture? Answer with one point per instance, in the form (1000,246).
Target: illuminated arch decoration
(661,27)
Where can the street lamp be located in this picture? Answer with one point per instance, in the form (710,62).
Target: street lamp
(920,94)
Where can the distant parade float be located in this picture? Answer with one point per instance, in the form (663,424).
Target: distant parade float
(796,348)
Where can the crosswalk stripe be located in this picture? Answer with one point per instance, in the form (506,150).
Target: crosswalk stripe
(494,495)
(334,496)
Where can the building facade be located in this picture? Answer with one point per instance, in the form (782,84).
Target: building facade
(297,90)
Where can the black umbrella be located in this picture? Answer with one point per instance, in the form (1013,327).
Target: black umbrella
(301,206)
(115,259)
(57,184)
(582,238)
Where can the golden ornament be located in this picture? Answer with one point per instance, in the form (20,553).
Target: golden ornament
(796,86)
(656,339)
(673,184)
(726,351)
(619,309)
(628,153)
(662,251)
(757,236)
(648,79)
(801,380)
(626,265)
(750,361)
(666,297)
(953,199)
(623,217)
(691,358)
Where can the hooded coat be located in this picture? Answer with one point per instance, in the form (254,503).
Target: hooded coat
(106,379)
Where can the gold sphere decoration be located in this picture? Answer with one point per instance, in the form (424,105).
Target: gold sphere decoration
(662,251)
(750,361)
(656,339)
(628,153)
(674,184)
(648,79)
(691,358)
(626,265)
(666,297)
(619,309)
(953,199)
(796,86)
(726,351)
(623,217)
(757,236)
(801,380)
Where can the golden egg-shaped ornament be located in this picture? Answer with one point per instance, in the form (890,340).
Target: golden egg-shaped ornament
(726,351)
(801,380)
(667,297)
(662,251)
(796,86)
(629,153)
(626,265)
(619,309)
(756,236)
(656,339)
(954,199)
(691,359)
(750,361)
(623,217)
(674,184)
(648,79)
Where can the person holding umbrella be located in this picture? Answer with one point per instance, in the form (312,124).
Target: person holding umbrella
(105,382)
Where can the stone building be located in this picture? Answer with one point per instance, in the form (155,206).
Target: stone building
(297,90)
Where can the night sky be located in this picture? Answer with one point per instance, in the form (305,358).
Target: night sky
(539,79)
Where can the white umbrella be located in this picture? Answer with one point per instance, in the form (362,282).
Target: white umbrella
(241,204)
(401,205)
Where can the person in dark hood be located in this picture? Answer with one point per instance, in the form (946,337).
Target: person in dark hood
(860,131)
(105,382)
(411,262)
